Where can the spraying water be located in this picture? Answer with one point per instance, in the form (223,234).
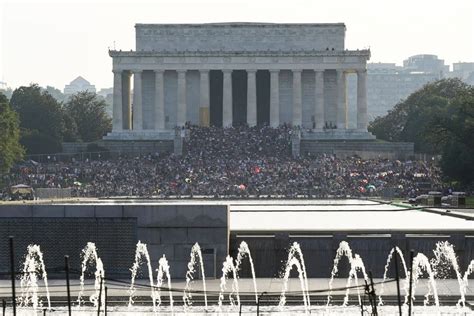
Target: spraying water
(357,265)
(164,272)
(293,262)
(89,256)
(141,252)
(444,251)
(421,264)
(344,250)
(229,267)
(195,257)
(398,252)
(244,251)
(32,267)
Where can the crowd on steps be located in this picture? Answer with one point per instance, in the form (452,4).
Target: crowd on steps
(231,162)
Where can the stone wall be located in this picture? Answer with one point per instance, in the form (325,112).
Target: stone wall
(239,37)
(364,149)
(271,250)
(126,147)
(169,230)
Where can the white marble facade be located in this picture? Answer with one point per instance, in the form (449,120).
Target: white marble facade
(170,70)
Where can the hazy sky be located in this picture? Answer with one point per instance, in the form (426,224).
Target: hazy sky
(52,42)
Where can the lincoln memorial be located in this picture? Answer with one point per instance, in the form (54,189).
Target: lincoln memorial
(225,74)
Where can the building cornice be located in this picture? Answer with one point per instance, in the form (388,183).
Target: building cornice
(268,53)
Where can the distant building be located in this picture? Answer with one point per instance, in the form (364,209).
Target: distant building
(388,84)
(426,64)
(463,71)
(3,85)
(77,85)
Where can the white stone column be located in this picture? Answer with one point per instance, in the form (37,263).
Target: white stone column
(126,100)
(181,113)
(137,100)
(274,98)
(227,99)
(341,122)
(319,100)
(297,105)
(159,119)
(117,124)
(251,97)
(362,120)
(204,98)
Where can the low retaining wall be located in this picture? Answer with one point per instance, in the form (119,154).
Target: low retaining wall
(364,149)
(123,147)
(65,229)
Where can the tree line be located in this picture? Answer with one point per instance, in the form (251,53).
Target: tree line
(35,122)
(438,119)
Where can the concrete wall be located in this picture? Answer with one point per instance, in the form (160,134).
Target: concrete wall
(364,149)
(239,37)
(169,230)
(271,250)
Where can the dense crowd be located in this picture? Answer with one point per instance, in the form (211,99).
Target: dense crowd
(230,162)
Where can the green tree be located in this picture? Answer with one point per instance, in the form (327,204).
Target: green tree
(89,113)
(40,119)
(412,120)
(439,118)
(10,148)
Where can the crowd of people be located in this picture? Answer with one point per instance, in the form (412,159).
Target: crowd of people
(232,162)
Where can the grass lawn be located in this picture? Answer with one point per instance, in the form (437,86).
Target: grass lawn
(470,201)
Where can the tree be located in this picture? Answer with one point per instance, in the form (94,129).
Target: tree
(10,148)
(89,113)
(55,93)
(412,120)
(439,118)
(40,119)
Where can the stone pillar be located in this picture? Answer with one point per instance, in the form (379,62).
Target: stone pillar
(227,99)
(362,120)
(297,106)
(126,100)
(341,121)
(159,119)
(181,113)
(117,114)
(204,100)
(319,100)
(251,98)
(137,100)
(274,98)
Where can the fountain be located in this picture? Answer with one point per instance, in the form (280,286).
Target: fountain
(229,267)
(399,253)
(164,272)
(32,267)
(141,252)
(187,295)
(244,251)
(89,256)
(438,267)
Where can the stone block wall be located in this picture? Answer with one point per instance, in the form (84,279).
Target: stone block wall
(168,229)
(364,149)
(239,36)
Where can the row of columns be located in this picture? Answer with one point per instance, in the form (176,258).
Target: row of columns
(122,121)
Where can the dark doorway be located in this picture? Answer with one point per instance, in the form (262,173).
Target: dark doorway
(239,97)
(263,97)
(216,96)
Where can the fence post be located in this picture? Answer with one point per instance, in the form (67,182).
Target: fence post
(12,272)
(66,261)
(372,293)
(398,284)
(99,299)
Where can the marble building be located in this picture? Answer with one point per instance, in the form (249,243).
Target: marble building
(226,74)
